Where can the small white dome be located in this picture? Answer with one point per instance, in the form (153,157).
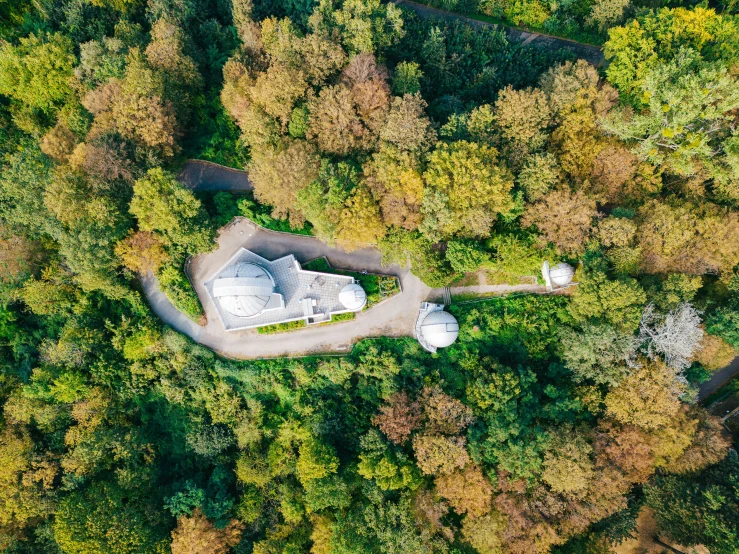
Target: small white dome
(440,329)
(244,289)
(562,274)
(353,297)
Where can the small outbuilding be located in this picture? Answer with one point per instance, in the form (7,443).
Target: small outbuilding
(558,277)
(353,297)
(435,328)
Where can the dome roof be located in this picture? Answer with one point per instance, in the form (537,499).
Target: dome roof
(439,329)
(353,297)
(244,289)
(561,274)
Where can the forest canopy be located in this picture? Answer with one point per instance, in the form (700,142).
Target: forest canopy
(547,427)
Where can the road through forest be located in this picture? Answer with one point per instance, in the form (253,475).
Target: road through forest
(395,317)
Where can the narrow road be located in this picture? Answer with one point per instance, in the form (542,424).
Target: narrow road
(719,379)
(202,175)
(395,317)
(592,54)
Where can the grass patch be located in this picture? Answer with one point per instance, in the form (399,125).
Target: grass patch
(377,287)
(176,286)
(319,264)
(467,280)
(281,327)
(338,318)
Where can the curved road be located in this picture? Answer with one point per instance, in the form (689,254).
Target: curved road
(202,175)
(394,317)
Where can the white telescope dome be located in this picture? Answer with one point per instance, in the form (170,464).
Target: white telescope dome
(562,274)
(244,289)
(353,297)
(439,329)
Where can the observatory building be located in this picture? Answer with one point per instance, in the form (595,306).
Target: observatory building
(435,328)
(251,291)
(558,277)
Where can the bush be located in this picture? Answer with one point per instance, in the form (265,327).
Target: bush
(176,286)
(281,327)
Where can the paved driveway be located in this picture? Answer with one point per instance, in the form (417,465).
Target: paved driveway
(202,175)
(395,317)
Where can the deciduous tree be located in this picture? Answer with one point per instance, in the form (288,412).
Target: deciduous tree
(440,455)
(279,174)
(647,398)
(469,183)
(563,218)
(194,534)
(398,418)
(467,490)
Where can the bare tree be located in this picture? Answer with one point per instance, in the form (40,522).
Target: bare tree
(676,336)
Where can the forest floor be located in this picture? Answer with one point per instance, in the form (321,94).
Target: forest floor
(592,54)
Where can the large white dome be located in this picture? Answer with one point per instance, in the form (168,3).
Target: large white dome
(244,289)
(353,297)
(561,274)
(439,329)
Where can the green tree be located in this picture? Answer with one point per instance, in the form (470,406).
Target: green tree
(466,256)
(688,110)
(105,518)
(162,204)
(658,35)
(699,508)
(598,352)
(618,302)
(467,189)
(407,78)
(37,73)
(315,460)
(390,469)
(365,26)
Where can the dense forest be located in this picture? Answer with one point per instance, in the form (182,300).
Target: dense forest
(550,425)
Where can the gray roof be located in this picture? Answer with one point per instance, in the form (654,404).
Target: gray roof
(297,293)
(353,297)
(440,329)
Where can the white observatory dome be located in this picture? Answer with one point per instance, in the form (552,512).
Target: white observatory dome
(353,297)
(561,274)
(439,329)
(244,289)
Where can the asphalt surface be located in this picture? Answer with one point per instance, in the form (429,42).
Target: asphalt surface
(719,379)
(202,175)
(394,317)
(592,54)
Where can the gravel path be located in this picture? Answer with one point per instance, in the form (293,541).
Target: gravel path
(592,54)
